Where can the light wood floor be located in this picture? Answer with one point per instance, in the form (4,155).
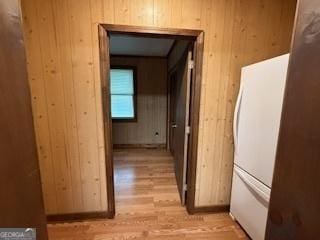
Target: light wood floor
(148,206)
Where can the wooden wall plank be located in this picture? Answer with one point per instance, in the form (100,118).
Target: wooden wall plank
(222,196)
(108,11)
(191,14)
(141,12)
(236,56)
(55,105)
(39,104)
(85,92)
(162,13)
(286,20)
(236,33)
(122,11)
(207,13)
(209,163)
(60,8)
(97,16)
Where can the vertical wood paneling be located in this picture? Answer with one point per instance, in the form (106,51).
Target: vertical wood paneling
(63,65)
(162,13)
(141,12)
(108,11)
(39,104)
(151,102)
(191,13)
(225,167)
(85,92)
(122,11)
(208,162)
(207,13)
(97,16)
(238,40)
(60,8)
(55,104)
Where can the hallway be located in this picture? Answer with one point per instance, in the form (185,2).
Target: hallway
(148,206)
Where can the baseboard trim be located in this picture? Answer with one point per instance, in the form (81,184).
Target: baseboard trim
(129,146)
(78,217)
(210,209)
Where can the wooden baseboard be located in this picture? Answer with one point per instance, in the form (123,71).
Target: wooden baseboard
(76,217)
(126,146)
(210,209)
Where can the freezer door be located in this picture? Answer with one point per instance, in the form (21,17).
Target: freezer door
(259,117)
(249,203)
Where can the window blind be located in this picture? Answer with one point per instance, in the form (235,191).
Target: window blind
(122,93)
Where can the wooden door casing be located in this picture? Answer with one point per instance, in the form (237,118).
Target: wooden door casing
(197,36)
(104,55)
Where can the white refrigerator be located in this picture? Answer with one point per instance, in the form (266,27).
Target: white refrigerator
(256,127)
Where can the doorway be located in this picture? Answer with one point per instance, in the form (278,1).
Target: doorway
(182,98)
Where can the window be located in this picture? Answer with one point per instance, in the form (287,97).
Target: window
(122,81)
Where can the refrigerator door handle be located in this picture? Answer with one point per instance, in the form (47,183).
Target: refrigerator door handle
(235,119)
(261,194)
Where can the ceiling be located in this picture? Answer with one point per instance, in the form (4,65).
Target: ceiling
(139,46)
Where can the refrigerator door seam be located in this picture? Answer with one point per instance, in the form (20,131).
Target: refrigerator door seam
(262,194)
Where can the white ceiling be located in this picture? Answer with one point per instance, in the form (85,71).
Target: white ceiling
(139,46)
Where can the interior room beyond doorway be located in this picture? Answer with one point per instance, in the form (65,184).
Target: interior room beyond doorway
(150,117)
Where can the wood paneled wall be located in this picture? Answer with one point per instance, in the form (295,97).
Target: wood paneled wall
(151,103)
(63,72)
(63,65)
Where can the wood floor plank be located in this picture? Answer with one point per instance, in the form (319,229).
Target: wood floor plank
(148,206)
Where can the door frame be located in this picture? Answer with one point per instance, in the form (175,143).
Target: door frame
(197,36)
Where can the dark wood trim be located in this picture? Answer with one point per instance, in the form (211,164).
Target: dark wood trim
(194,35)
(76,217)
(174,33)
(21,197)
(107,121)
(194,120)
(135,89)
(172,47)
(211,209)
(128,146)
(295,193)
(136,56)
